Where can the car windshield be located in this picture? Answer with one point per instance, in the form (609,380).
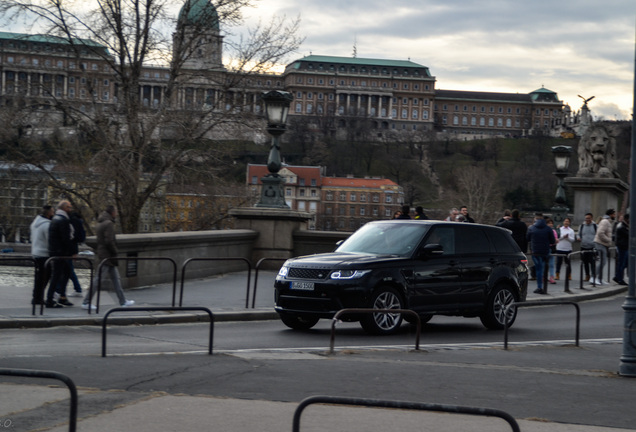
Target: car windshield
(385,239)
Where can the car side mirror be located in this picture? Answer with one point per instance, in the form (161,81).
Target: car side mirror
(431,249)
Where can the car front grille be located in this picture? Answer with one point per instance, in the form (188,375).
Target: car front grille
(307,273)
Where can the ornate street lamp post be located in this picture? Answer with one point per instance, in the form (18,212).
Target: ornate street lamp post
(562,161)
(276,110)
(628,358)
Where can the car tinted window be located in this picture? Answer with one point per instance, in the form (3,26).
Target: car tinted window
(503,241)
(444,236)
(385,238)
(472,240)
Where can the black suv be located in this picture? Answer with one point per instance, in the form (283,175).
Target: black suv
(430,267)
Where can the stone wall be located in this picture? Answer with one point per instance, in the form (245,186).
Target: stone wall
(183,246)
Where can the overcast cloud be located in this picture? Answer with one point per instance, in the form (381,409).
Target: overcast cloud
(569,46)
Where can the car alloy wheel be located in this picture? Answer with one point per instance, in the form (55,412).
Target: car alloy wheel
(497,312)
(383,323)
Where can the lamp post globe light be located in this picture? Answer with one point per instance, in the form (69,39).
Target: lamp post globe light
(276,109)
(562,162)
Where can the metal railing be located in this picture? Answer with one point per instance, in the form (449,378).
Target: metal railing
(166,308)
(116,259)
(188,261)
(29,373)
(257,268)
(404,405)
(341,312)
(542,303)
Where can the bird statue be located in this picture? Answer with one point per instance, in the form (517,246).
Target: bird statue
(585,101)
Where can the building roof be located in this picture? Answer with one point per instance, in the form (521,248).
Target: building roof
(466,95)
(41,38)
(350,182)
(357,61)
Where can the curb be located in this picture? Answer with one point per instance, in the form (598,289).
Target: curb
(179,318)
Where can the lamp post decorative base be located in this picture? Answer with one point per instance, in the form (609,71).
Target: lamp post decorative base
(272,192)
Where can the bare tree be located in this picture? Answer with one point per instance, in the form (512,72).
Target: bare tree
(133,144)
(478,189)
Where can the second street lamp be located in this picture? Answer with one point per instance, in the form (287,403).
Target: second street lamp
(562,162)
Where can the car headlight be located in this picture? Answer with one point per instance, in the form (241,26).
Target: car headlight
(283,271)
(348,274)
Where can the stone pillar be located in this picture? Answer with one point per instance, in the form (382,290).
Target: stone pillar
(595,195)
(275,227)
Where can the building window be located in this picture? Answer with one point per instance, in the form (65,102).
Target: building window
(388,199)
(343,196)
(313,193)
(352,196)
(363,197)
(362,211)
(301,192)
(330,195)
(299,107)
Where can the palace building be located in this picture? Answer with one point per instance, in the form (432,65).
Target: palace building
(329,92)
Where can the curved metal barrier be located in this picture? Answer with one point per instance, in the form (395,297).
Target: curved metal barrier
(188,261)
(369,310)
(258,265)
(543,303)
(405,405)
(165,308)
(105,260)
(72,424)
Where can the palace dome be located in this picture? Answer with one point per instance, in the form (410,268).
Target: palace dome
(200,13)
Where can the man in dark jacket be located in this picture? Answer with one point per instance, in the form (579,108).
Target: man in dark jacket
(540,238)
(107,250)
(60,245)
(519,230)
(622,246)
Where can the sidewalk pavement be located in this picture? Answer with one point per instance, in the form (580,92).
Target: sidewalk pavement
(225,295)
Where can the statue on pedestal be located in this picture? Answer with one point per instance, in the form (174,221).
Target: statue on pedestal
(597,154)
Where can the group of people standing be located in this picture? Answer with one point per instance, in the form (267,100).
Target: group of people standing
(57,233)
(545,242)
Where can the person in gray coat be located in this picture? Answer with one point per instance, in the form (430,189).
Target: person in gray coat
(40,252)
(107,249)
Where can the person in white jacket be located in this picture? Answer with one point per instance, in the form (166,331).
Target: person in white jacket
(40,252)
(564,247)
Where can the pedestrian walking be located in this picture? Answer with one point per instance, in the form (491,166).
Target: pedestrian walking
(40,252)
(107,249)
(60,245)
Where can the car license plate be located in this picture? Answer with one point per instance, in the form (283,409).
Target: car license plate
(305,286)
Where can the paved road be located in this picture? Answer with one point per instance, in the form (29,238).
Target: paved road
(556,387)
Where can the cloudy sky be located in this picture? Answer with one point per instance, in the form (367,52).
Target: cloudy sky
(573,47)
